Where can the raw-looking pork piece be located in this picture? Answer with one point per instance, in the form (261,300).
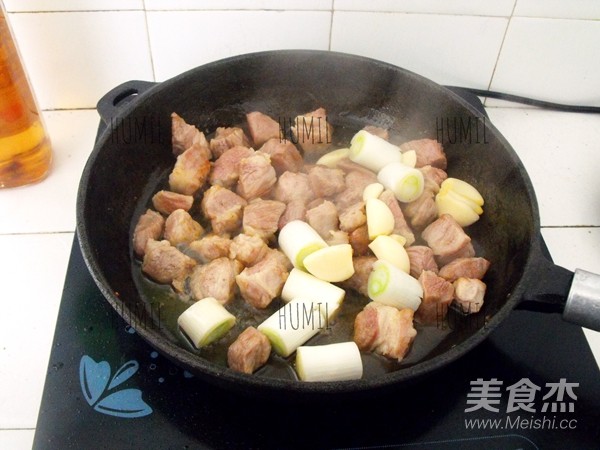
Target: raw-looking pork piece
(363,265)
(190,171)
(215,279)
(347,166)
(437,296)
(469,294)
(447,239)
(293,186)
(181,228)
(249,351)
(261,218)
(226,169)
(312,131)
(466,268)
(150,226)
(224,209)
(183,136)
(262,282)
(165,264)
(429,152)
(400,225)
(323,218)
(337,237)
(247,249)
(421,258)
(378,131)
(356,182)
(384,330)
(294,210)
(326,182)
(257,176)
(359,240)
(433,177)
(262,128)
(166,202)
(284,155)
(210,247)
(353,217)
(226,138)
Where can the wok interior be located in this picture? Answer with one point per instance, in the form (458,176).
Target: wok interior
(123,173)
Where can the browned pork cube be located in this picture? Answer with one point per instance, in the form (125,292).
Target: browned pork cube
(337,237)
(150,226)
(226,169)
(181,228)
(294,210)
(384,330)
(224,209)
(352,217)
(356,182)
(323,218)
(262,128)
(429,152)
(347,166)
(262,282)
(166,202)
(257,176)
(378,131)
(466,268)
(226,138)
(437,296)
(359,240)
(294,186)
(312,131)
(447,239)
(215,279)
(469,294)
(400,225)
(248,250)
(422,211)
(183,136)
(284,155)
(210,247)
(261,218)
(421,258)
(433,177)
(164,263)
(358,282)
(249,351)
(190,171)
(326,182)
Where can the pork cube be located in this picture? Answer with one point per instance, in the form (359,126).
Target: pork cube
(164,263)
(226,138)
(347,166)
(183,136)
(422,211)
(294,210)
(262,282)
(224,209)
(353,217)
(166,202)
(215,279)
(149,226)
(181,228)
(190,171)
(469,294)
(400,225)
(465,268)
(447,239)
(326,182)
(293,186)
(378,131)
(248,250)
(384,330)
(437,296)
(323,218)
(210,247)
(261,218)
(257,176)
(337,237)
(356,182)
(429,152)
(226,169)
(262,128)
(358,282)
(312,131)
(359,240)
(421,258)
(433,177)
(284,156)
(249,351)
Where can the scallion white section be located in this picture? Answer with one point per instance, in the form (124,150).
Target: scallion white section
(405,182)
(373,152)
(391,286)
(205,321)
(333,362)
(297,240)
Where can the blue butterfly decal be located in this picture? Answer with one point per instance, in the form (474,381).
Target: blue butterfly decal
(95,381)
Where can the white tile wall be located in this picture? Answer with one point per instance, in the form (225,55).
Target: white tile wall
(467,7)
(560,9)
(72,5)
(311,5)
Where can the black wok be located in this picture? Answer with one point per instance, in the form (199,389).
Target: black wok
(133,153)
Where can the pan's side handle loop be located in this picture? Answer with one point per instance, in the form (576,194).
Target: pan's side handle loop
(583,302)
(112,102)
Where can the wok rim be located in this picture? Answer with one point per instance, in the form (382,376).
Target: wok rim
(242,382)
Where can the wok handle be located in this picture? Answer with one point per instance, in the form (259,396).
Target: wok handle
(556,289)
(114,100)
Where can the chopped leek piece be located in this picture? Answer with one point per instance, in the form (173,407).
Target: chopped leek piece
(205,321)
(390,249)
(373,190)
(391,286)
(333,362)
(332,158)
(331,263)
(405,182)
(373,152)
(380,219)
(297,240)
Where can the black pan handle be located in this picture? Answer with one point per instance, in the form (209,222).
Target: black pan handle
(114,100)
(552,288)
